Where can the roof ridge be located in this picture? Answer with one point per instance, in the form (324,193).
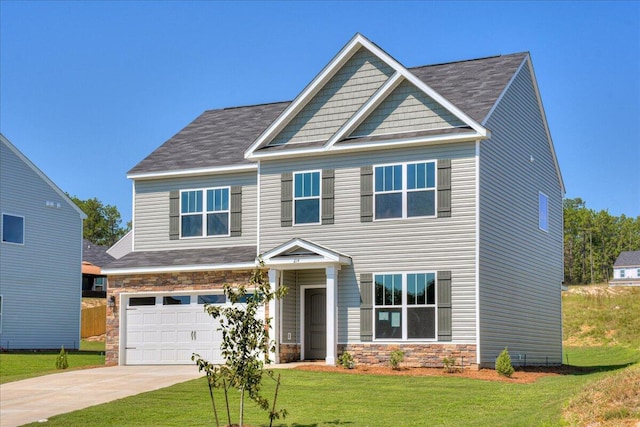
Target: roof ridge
(469,60)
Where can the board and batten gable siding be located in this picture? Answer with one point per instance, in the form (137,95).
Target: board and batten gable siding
(151,205)
(415,244)
(338,100)
(45,272)
(521,266)
(406,109)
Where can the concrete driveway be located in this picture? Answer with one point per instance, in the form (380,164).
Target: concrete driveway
(35,399)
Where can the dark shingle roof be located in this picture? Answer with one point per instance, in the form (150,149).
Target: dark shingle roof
(220,137)
(628,259)
(95,254)
(186,257)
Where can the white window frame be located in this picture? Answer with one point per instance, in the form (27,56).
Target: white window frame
(204,212)
(2,228)
(543,212)
(638,272)
(622,273)
(404,307)
(405,189)
(318,197)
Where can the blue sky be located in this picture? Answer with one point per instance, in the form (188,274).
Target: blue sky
(88,89)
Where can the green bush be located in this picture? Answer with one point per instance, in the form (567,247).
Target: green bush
(449,364)
(346,360)
(503,364)
(61,360)
(397,356)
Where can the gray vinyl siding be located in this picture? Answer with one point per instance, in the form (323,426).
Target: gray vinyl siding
(151,205)
(415,244)
(40,281)
(336,102)
(406,109)
(520,265)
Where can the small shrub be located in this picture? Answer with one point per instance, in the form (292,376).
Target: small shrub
(346,360)
(449,364)
(61,360)
(397,356)
(503,364)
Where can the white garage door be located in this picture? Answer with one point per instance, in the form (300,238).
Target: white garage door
(168,329)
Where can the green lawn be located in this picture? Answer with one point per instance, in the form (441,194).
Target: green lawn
(20,366)
(327,399)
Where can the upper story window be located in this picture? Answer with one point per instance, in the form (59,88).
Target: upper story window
(13,229)
(306,197)
(405,190)
(405,306)
(543,212)
(204,212)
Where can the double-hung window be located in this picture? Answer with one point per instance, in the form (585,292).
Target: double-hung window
(204,212)
(405,306)
(623,273)
(306,197)
(12,229)
(405,190)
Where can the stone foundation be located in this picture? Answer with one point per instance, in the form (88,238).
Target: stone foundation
(289,353)
(159,282)
(415,355)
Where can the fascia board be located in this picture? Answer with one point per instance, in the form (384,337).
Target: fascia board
(178,268)
(323,255)
(307,93)
(192,172)
(368,107)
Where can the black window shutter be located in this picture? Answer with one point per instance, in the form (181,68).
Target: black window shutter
(286,199)
(235,227)
(444,305)
(444,188)
(366,307)
(174,215)
(366,194)
(328,184)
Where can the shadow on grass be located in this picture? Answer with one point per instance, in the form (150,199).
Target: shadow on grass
(576,370)
(333,422)
(48,351)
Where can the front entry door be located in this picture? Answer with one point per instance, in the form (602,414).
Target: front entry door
(315,324)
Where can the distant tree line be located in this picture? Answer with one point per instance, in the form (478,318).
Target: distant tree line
(103,223)
(593,240)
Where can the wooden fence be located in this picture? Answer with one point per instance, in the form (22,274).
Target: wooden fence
(94,321)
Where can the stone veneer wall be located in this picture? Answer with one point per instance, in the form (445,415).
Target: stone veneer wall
(159,282)
(415,355)
(289,353)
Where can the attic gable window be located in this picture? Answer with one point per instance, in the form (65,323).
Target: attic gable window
(405,190)
(204,212)
(12,229)
(306,197)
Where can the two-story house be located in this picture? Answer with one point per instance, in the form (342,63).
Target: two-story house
(40,257)
(412,208)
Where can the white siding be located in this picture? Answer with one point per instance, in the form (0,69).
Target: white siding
(396,245)
(336,102)
(40,281)
(520,265)
(152,212)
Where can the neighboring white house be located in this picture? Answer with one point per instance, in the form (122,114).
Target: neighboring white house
(40,257)
(403,208)
(626,269)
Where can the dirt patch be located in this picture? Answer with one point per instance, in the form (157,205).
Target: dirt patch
(93,302)
(521,376)
(95,338)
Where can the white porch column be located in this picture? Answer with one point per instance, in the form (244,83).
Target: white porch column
(332,316)
(274,304)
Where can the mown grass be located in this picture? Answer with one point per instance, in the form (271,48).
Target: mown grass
(20,366)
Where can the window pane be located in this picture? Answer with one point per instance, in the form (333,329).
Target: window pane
(176,300)
(389,205)
(217,224)
(12,229)
(218,199)
(388,289)
(307,184)
(191,225)
(421,203)
(388,178)
(212,299)
(543,212)
(133,302)
(307,211)
(388,323)
(421,322)
(191,201)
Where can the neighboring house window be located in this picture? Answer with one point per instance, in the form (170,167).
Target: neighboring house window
(638,273)
(204,212)
(405,306)
(405,190)
(622,273)
(13,229)
(543,212)
(306,197)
